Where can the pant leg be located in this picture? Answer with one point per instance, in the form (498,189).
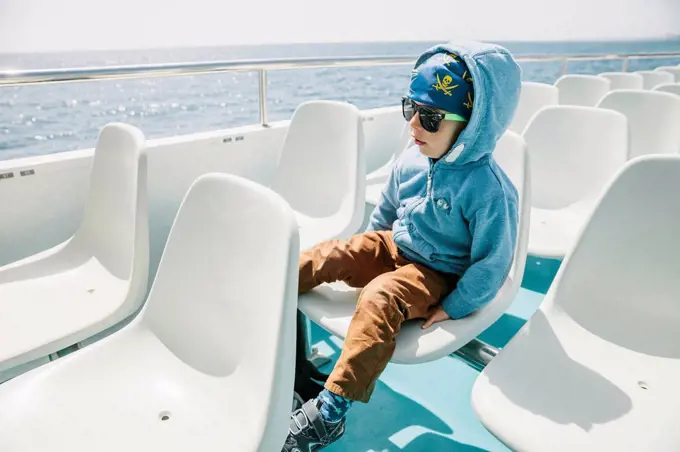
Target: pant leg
(409,292)
(355,261)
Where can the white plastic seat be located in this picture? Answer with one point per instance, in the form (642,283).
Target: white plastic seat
(321,172)
(96,278)
(655,78)
(574,151)
(391,138)
(533,97)
(207,365)
(673,88)
(385,136)
(581,89)
(332,305)
(596,368)
(624,80)
(653,119)
(674,70)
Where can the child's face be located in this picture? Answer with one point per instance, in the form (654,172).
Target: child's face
(435,145)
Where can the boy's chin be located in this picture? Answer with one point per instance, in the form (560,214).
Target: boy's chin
(426,151)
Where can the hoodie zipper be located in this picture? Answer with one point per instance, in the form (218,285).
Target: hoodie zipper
(428,191)
(429,180)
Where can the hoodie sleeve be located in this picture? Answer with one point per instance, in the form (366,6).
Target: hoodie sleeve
(385,213)
(494,233)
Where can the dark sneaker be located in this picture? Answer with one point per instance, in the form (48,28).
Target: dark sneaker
(309,432)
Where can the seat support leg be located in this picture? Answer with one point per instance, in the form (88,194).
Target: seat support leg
(477,354)
(308,379)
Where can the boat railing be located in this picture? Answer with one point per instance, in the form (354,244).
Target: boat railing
(11,77)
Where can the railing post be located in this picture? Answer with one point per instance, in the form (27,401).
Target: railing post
(624,65)
(263,97)
(564,65)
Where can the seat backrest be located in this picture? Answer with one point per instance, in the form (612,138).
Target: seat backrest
(655,78)
(653,119)
(574,151)
(225,295)
(386,135)
(114,227)
(620,281)
(624,80)
(673,88)
(512,156)
(580,89)
(533,97)
(321,171)
(674,70)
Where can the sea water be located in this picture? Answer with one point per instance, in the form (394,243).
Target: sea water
(45,119)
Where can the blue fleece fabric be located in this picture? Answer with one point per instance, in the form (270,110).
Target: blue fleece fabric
(459,214)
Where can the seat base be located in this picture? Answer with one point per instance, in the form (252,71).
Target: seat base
(554,232)
(43,315)
(332,306)
(317,230)
(556,386)
(373,193)
(127,392)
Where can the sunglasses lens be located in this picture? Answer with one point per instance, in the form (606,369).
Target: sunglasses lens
(407,109)
(430,121)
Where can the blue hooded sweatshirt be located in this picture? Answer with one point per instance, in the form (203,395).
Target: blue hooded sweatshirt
(459,214)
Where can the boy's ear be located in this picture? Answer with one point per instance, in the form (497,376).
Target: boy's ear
(457,130)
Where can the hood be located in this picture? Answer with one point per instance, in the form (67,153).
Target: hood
(497,82)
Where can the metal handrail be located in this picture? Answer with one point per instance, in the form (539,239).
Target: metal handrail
(20,77)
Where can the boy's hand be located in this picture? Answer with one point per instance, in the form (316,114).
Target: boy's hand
(439,315)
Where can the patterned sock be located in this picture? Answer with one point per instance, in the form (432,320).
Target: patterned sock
(333,407)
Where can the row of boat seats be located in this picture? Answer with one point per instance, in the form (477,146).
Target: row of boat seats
(596,187)
(596,367)
(582,89)
(653,118)
(385,139)
(624,80)
(98,277)
(588,90)
(179,375)
(575,151)
(325,190)
(166,348)
(188,336)
(673,88)
(652,79)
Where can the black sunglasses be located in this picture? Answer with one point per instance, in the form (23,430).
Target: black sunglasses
(430,118)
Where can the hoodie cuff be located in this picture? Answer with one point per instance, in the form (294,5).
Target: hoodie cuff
(455,306)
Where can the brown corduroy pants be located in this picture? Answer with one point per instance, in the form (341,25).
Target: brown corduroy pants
(394,290)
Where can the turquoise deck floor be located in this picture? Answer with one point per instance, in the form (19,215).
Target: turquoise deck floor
(427,407)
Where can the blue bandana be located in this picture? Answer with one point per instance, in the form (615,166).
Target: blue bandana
(443,81)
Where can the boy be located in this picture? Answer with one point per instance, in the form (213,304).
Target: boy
(441,240)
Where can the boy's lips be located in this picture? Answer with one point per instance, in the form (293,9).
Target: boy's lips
(418,142)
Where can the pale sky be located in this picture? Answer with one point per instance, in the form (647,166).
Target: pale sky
(55,25)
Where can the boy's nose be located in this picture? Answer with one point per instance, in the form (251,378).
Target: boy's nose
(415,121)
